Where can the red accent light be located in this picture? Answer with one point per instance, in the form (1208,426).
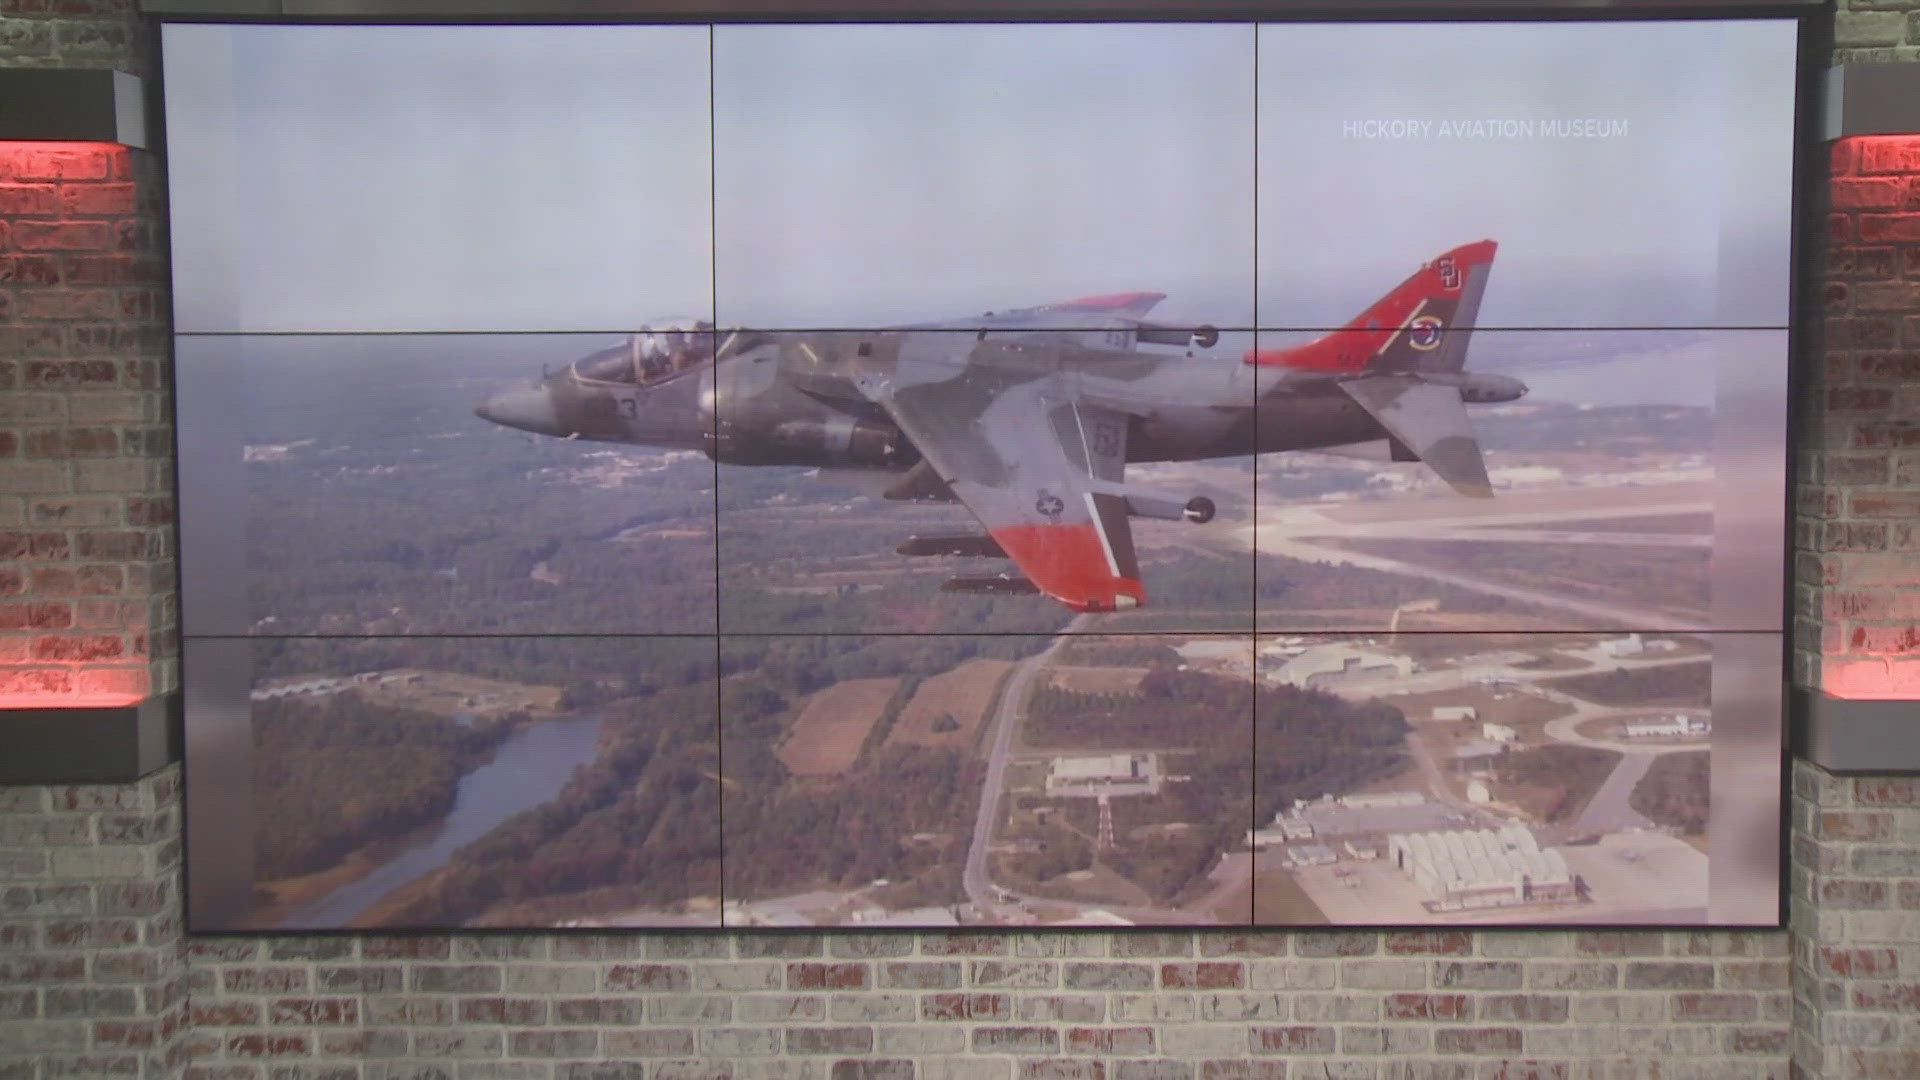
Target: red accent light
(13,702)
(23,159)
(1869,154)
(1872,679)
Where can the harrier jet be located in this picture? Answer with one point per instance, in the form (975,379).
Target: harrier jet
(1029,417)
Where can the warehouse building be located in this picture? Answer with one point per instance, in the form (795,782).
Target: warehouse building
(1482,867)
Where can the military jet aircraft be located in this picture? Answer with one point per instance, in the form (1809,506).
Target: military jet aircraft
(1029,417)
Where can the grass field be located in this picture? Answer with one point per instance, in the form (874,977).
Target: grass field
(826,739)
(1096,680)
(956,700)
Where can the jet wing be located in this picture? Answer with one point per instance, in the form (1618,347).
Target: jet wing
(1430,421)
(1007,431)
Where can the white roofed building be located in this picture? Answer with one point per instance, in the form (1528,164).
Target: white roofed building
(1328,667)
(1482,868)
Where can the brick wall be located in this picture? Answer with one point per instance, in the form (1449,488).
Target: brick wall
(95,978)
(1419,1006)
(86,499)
(1855,868)
(92,957)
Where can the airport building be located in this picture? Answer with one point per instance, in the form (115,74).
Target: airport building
(1482,867)
(1106,774)
(1674,726)
(1329,667)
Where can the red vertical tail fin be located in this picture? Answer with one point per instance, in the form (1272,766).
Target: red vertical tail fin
(1422,325)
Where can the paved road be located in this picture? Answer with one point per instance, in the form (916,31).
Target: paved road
(1006,720)
(1608,810)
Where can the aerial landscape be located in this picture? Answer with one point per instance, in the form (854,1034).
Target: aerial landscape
(1349,678)
(981,475)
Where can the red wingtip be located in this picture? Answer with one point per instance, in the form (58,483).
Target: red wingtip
(1070,564)
(1350,348)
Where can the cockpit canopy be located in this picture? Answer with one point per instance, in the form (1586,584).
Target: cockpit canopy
(652,353)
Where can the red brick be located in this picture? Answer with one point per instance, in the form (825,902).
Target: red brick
(34,545)
(1876,194)
(53,305)
(100,200)
(1884,639)
(1834,296)
(111,270)
(1887,997)
(1297,1039)
(1854,825)
(1477,1040)
(1016,1040)
(72,442)
(1862,331)
(1205,975)
(1429,1007)
(42,615)
(1874,228)
(227,1013)
(1844,157)
(119,545)
(1110,1041)
(61,235)
(313,1011)
(29,270)
(77,648)
(288,1045)
(1857,963)
(36,681)
(966,1007)
(1853,893)
(817,976)
(1888,154)
(22,200)
(1853,536)
(1886,295)
(1765,1040)
(1859,399)
(495,1010)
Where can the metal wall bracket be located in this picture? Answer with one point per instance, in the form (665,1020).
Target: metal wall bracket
(89,744)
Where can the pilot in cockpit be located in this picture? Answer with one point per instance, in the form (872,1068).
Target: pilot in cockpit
(656,353)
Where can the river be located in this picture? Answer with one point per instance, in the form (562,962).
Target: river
(530,767)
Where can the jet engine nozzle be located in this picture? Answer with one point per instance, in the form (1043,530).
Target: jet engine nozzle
(1199,510)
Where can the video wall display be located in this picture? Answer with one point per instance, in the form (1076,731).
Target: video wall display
(982,475)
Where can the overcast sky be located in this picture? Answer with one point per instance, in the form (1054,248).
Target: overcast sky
(494,178)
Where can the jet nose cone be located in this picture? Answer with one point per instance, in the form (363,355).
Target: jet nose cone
(529,408)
